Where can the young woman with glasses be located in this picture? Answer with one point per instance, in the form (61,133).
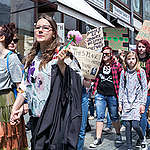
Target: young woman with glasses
(48,83)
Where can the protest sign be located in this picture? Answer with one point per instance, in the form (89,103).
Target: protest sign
(144,33)
(95,39)
(89,61)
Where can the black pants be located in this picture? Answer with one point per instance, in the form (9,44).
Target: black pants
(136,126)
(34,121)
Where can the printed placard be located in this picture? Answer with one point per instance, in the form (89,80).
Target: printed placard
(95,39)
(144,33)
(89,61)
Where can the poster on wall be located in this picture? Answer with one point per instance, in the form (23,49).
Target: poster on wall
(117,38)
(89,61)
(61,32)
(144,33)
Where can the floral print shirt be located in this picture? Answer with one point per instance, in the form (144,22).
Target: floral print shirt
(36,84)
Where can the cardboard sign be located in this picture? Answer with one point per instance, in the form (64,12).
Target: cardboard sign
(144,33)
(95,39)
(89,61)
(82,43)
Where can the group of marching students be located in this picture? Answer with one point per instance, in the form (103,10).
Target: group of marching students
(50,84)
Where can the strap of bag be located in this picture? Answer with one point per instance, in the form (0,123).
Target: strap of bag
(139,79)
(14,89)
(8,61)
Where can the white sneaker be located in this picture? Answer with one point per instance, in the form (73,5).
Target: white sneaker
(107,130)
(144,145)
(118,139)
(95,143)
(91,118)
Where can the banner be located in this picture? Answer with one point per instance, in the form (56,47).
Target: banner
(144,33)
(89,61)
(95,39)
(117,38)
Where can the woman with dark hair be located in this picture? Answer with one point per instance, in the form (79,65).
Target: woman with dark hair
(11,137)
(53,91)
(143,50)
(107,86)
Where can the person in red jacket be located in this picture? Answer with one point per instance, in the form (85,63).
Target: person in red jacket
(143,50)
(107,87)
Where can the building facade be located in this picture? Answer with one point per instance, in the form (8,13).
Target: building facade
(81,15)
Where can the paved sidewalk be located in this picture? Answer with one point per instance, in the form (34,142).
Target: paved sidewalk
(108,140)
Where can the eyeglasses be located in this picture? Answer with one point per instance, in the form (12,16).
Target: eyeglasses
(45,28)
(15,41)
(107,54)
(141,47)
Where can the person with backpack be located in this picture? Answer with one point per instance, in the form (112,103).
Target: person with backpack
(143,51)
(11,137)
(132,97)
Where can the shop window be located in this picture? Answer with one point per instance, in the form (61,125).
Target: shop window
(146,10)
(137,6)
(126,2)
(4,11)
(22,14)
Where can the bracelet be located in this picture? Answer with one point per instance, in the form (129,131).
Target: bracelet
(19,90)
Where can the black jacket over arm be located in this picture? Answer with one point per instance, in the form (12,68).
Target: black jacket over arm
(59,124)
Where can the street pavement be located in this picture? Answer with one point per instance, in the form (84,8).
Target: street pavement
(108,141)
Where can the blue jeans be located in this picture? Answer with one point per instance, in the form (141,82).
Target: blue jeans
(143,121)
(101,102)
(85,102)
(109,122)
(91,107)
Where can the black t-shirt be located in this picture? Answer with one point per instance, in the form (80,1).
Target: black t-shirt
(105,84)
(143,62)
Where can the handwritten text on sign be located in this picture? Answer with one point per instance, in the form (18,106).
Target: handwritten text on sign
(89,61)
(95,39)
(144,33)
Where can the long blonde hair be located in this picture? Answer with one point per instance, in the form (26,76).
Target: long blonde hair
(137,65)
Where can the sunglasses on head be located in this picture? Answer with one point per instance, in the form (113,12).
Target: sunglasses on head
(15,41)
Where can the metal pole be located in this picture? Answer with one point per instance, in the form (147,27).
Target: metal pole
(108,8)
(131,18)
(143,12)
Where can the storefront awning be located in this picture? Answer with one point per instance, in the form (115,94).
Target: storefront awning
(81,10)
(125,24)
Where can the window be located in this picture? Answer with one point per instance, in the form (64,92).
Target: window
(22,14)
(137,6)
(147,10)
(4,11)
(125,2)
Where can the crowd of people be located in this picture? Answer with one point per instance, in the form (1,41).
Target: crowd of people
(50,85)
